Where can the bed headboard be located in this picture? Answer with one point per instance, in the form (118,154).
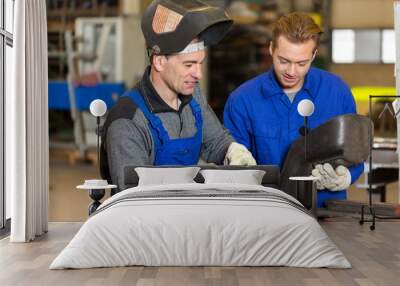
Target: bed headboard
(270,179)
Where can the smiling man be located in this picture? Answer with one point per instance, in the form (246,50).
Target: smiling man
(262,113)
(165,120)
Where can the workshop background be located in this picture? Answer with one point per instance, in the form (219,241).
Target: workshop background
(96,50)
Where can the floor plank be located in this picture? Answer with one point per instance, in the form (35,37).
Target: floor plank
(374,255)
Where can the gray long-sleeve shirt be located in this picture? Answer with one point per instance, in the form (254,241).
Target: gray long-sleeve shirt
(127,139)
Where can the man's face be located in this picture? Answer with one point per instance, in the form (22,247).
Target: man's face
(182,72)
(291,62)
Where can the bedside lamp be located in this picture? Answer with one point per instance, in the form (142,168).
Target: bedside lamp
(96,187)
(305,184)
(98,108)
(305,108)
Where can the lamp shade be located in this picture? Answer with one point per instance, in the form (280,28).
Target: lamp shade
(98,107)
(305,107)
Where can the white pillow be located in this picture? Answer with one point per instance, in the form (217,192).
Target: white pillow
(166,176)
(248,177)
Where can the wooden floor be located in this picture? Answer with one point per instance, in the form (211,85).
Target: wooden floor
(374,255)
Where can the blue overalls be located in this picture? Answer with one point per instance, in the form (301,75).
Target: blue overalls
(260,116)
(181,151)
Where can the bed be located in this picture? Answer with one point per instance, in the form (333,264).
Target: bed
(202,224)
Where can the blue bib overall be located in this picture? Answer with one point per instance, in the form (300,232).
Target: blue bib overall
(180,151)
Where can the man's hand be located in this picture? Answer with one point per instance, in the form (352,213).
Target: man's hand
(238,154)
(333,179)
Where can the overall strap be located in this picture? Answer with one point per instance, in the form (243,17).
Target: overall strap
(196,111)
(154,120)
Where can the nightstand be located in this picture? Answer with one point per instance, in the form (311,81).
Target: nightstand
(96,190)
(306,192)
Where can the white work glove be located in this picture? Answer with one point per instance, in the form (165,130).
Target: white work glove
(238,154)
(333,179)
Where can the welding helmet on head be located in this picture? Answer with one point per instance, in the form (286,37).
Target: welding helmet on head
(169,26)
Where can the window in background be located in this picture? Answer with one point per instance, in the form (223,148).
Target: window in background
(367,46)
(2,67)
(388,46)
(343,46)
(7,85)
(363,46)
(9,12)
(6,43)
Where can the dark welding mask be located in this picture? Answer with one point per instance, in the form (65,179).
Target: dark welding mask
(170,26)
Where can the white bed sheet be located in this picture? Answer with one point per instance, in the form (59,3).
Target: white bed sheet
(188,231)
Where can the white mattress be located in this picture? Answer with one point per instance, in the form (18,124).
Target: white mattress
(182,230)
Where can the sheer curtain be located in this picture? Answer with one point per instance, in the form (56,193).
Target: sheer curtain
(26,124)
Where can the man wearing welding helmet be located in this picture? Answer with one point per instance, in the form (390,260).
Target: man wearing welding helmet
(262,113)
(165,120)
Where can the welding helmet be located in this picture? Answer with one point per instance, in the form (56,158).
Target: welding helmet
(169,26)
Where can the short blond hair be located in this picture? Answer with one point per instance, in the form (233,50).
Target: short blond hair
(297,28)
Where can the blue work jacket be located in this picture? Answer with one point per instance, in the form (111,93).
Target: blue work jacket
(260,116)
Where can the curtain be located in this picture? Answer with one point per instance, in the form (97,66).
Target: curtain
(26,121)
